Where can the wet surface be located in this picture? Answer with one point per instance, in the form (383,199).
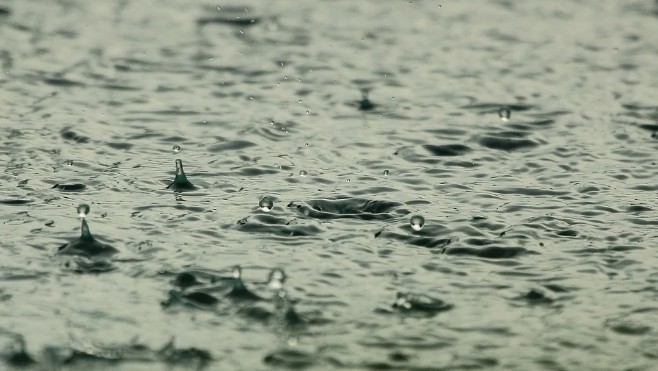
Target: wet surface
(313,135)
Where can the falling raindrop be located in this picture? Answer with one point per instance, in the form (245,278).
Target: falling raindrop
(176,148)
(505,113)
(417,222)
(266,204)
(69,163)
(385,172)
(83,210)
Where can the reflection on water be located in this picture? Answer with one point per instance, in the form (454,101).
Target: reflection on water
(434,182)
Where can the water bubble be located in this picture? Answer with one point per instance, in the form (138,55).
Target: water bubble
(176,148)
(385,172)
(303,173)
(417,222)
(266,204)
(69,163)
(276,279)
(83,210)
(505,113)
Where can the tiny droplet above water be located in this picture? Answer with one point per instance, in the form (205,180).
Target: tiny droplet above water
(417,222)
(83,210)
(266,204)
(237,272)
(176,148)
(276,279)
(303,173)
(385,172)
(69,163)
(505,113)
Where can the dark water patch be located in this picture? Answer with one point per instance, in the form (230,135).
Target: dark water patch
(68,134)
(62,82)
(236,21)
(15,202)
(506,144)
(286,229)
(354,208)
(490,108)
(4,11)
(230,146)
(567,233)
(535,297)
(490,252)
(195,299)
(447,149)
(529,191)
(430,242)
(124,146)
(290,359)
(646,187)
(73,187)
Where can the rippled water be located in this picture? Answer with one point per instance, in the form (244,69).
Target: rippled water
(523,134)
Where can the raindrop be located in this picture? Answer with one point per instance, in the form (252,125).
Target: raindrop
(69,163)
(176,148)
(83,210)
(219,8)
(385,172)
(308,112)
(417,222)
(505,113)
(305,144)
(303,173)
(276,279)
(266,204)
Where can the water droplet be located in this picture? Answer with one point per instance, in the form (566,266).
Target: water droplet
(266,204)
(300,101)
(276,279)
(308,112)
(176,148)
(285,77)
(283,128)
(69,163)
(219,8)
(83,210)
(417,222)
(303,173)
(385,172)
(505,113)
(237,272)
(305,144)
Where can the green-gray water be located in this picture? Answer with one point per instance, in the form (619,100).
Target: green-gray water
(525,134)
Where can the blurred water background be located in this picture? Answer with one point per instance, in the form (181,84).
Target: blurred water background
(445,185)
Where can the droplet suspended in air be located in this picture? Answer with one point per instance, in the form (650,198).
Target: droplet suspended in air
(276,279)
(69,163)
(385,172)
(83,210)
(266,204)
(303,173)
(176,148)
(505,113)
(417,222)
(237,272)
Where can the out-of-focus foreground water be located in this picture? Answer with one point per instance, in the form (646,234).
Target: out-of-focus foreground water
(525,134)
